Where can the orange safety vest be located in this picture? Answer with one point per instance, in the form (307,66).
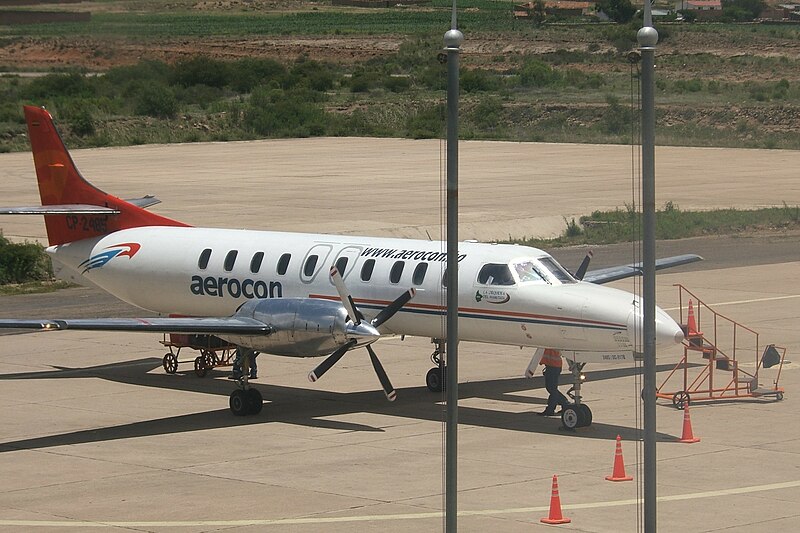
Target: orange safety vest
(551,357)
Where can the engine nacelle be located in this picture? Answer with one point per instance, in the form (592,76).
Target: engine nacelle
(303,327)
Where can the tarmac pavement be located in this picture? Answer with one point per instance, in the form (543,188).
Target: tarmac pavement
(96,435)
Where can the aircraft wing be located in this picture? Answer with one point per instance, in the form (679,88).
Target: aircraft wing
(606,275)
(210,326)
(65,209)
(144,201)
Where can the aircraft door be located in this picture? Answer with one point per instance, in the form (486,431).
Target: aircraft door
(346,260)
(574,309)
(314,261)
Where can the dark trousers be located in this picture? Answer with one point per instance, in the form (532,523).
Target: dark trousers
(551,384)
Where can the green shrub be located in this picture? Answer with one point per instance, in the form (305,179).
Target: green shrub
(83,123)
(473,80)
(72,84)
(276,113)
(201,71)
(310,74)
(536,73)
(426,123)
(488,114)
(156,101)
(397,84)
(248,73)
(23,262)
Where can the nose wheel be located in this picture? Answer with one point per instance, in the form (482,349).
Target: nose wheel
(576,416)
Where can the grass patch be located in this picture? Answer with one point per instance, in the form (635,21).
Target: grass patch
(610,227)
(34,287)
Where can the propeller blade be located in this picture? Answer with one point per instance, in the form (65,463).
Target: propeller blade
(584,266)
(344,295)
(389,311)
(331,360)
(391,395)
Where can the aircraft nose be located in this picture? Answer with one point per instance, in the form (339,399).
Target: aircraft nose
(668,332)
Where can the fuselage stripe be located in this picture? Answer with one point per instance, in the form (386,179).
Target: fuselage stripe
(481,314)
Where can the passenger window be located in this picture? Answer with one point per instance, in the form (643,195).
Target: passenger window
(283,264)
(495,274)
(341,265)
(230,260)
(311,265)
(366,270)
(202,263)
(397,271)
(255,263)
(419,274)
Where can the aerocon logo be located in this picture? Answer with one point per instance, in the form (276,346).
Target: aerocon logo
(127,249)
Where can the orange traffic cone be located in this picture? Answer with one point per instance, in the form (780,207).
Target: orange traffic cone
(691,324)
(687,435)
(555,516)
(619,465)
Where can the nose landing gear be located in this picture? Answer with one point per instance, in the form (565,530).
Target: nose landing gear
(578,414)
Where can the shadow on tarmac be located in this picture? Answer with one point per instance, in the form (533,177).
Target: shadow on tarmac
(314,408)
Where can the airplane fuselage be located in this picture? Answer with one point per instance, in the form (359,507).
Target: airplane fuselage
(508,294)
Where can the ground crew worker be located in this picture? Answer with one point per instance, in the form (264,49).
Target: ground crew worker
(551,359)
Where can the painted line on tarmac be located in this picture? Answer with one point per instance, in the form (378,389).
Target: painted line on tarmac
(389,517)
(739,302)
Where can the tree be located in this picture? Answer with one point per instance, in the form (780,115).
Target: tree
(742,10)
(617,10)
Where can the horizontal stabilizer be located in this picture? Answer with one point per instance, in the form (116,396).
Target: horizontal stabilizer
(145,201)
(64,209)
(211,326)
(606,275)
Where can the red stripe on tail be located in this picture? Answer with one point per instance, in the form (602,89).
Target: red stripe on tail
(60,183)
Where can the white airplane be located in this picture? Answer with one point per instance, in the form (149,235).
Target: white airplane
(285,294)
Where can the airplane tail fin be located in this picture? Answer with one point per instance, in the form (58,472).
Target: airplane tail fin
(73,208)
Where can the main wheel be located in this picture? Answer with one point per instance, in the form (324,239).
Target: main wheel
(254,400)
(435,379)
(238,402)
(170,363)
(587,414)
(572,417)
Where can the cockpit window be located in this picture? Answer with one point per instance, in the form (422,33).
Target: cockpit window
(495,274)
(528,271)
(556,270)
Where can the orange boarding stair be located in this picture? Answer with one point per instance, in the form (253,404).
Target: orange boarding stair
(726,361)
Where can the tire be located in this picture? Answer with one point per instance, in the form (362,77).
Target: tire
(200,367)
(572,417)
(435,379)
(587,415)
(238,403)
(254,401)
(170,363)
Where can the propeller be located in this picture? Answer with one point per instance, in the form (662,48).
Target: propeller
(361,333)
(583,266)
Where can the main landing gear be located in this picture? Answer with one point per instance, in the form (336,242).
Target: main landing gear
(245,400)
(578,414)
(436,378)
